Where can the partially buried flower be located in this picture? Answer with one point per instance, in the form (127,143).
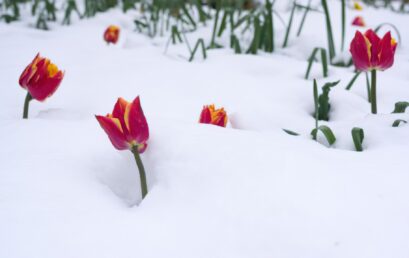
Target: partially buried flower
(358,21)
(211,115)
(111,34)
(369,52)
(126,127)
(41,78)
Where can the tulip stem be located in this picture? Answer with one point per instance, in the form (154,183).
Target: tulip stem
(373,92)
(142,175)
(26,105)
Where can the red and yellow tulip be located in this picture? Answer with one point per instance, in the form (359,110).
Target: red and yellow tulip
(41,79)
(369,52)
(111,34)
(211,115)
(127,129)
(358,21)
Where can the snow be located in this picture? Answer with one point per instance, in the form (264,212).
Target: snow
(249,190)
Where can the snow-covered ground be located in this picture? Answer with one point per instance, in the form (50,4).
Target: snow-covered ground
(246,191)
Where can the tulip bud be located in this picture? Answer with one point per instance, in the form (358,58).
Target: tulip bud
(41,79)
(369,52)
(111,34)
(126,127)
(213,116)
(357,6)
(358,21)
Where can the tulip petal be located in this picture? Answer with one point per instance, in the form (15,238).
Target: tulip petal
(387,52)
(136,122)
(205,116)
(119,112)
(43,87)
(112,128)
(29,71)
(360,50)
(375,41)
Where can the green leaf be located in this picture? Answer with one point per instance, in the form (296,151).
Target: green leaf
(343,7)
(290,22)
(331,45)
(200,42)
(400,107)
(315,105)
(358,138)
(304,17)
(327,132)
(324,61)
(351,83)
(323,101)
(397,122)
(257,37)
(291,132)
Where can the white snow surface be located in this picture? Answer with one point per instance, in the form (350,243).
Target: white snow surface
(246,191)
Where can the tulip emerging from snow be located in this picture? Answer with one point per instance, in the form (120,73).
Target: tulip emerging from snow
(41,79)
(111,34)
(213,116)
(371,53)
(127,129)
(357,6)
(358,21)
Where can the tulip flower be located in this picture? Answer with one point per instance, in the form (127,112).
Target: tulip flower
(211,115)
(371,53)
(41,79)
(111,34)
(358,21)
(357,6)
(127,129)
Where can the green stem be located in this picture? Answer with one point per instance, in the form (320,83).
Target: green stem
(373,92)
(26,105)
(142,175)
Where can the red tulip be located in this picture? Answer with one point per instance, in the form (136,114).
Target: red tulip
(358,21)
(111,34)
(126,126)
(213,116)
(41,78)
(369,52)
(127,129)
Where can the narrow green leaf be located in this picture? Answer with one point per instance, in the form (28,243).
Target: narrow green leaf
(199,43)
(327,132)
(304,17)
(290,22)
(331,45)
(343,7)
(291,132)
(358,138)
(397,122)
(310,61)
(400,107)
(351,83)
